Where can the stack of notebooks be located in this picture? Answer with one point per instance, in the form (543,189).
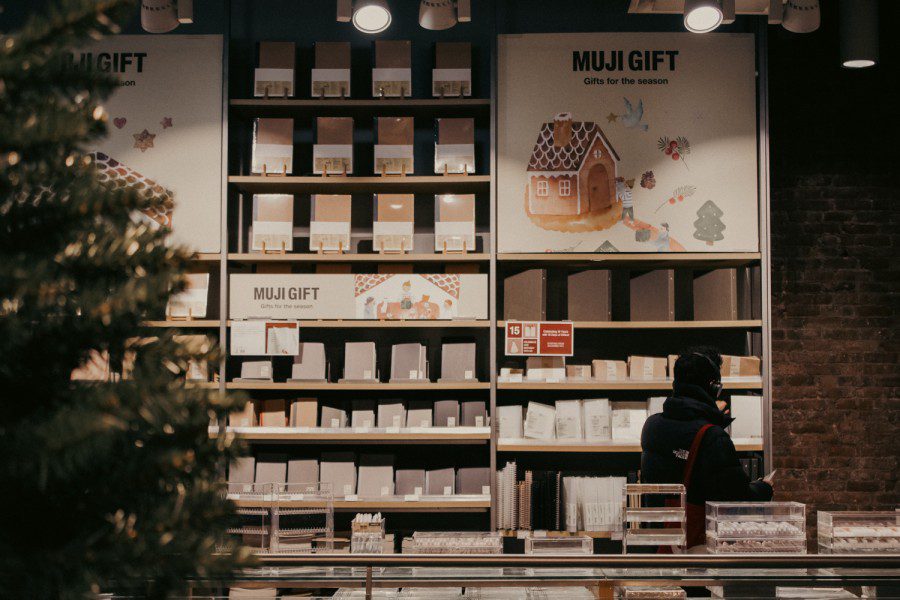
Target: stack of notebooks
(576,420)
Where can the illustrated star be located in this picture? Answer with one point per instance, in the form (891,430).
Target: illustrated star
(612,118)
(143,140)
(166,122)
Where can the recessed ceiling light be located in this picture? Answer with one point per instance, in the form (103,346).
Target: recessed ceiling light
(701,16)
(371,16)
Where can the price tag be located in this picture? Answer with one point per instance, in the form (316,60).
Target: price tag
(479,421)
(361,430)
(485,490)
(367,374)
(348,489)
(351,498)
(335,424)
(448,490)
(515,378)
(451,421)
(385,490)
(469,375)
(413,374)
(417,491)
(540,533)
(552,380)
(411,498)
(393,430)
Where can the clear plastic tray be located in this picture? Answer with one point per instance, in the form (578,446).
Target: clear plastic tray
(558,545)
(456,542)
(654,515)
(654,537)
(654,593)
(755,546)
(756,511)
(843,532)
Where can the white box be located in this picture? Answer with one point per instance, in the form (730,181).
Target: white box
(747,414)
(569,420)
(597,419)
(628,420)
(540,421)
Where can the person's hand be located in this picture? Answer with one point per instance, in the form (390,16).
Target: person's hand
(722,406)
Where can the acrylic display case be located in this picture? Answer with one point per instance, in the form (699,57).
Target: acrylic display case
(743,527)
(541,544)
(850,532)
(653,593)
(654,515)
(454,542)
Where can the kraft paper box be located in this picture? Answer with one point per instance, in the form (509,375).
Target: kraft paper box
(452,73)
(358,296)
(545,367)
(454,222)
(578,372)
(304,412)
(273,222)
(273,146)
(646,368)
(457,362)
(243,418)
(740,366)
(525,296)
(256,370)
(272,413)
(333,418)
(392,75)
(303,470)
(363,414)
(473,480)
(420,413)
(715,295)
(331,73)
(339,470)
(271,468)
(392,229)
(359,361)
(333,150)
(410,481)
(510,421)
(192,301)
(309,364)
(747,414)
(329,227)
(609,370)
(454,147)
(394,146)
(275,74)
(440,482)
(589,296)
(242,470)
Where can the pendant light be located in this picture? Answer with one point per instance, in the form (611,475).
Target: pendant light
(702,16)
(437,14)
(859,33)
(371,16)
(801,16)
(159,16)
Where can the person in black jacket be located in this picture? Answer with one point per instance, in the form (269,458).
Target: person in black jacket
(667,437)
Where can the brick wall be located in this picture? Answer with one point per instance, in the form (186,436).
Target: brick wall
(835,272)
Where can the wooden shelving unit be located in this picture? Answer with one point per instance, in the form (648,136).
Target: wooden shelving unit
(747,383)
(560,446)
(623,259)
(405,506)
(436,184)
(186,324)
(351,437)
(370,387)
(258,257)
(626,325)
(352,107)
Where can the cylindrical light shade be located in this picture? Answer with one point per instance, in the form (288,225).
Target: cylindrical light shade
(159,16)
(801,16)
(859,33)
(701,16)
(371,16)
(437,14)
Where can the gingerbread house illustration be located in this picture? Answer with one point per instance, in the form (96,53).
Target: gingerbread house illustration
(572,170)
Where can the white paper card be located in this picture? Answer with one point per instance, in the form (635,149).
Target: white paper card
(456,158)
(275,80)
(338,152)
(451,82)
(540,421)
(284,340)
(248,338)
(274,234)
(276,158)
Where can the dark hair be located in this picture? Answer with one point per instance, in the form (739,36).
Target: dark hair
(698,366)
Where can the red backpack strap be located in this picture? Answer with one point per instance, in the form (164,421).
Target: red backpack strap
(692,455)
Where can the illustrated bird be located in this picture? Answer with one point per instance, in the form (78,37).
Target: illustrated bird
(632,117)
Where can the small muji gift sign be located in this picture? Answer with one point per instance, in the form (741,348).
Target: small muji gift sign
(540,338)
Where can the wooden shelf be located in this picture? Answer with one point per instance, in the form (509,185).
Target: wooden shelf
(438,437)
(307,385)
(437,184)
(204,385)
(193,323)
(258,257)
(206,257)
(742,383)
(458,506)
(620,259)
(550,446)
(336,107)
(600,535)
(738,324)
(392,324)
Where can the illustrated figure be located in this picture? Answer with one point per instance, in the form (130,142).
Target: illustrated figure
(662,238)
(406,297)
(624,190)
(369,309)
(632,117)
(447,309)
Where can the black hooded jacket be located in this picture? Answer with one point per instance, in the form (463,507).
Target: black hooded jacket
(666,441)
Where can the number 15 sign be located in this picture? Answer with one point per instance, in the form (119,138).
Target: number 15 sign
(540,338)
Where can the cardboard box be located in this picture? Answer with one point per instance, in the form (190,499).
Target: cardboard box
(452,73)
(589,296)
(545,368)
(271,468)
(303,470)
(647,368)
(473,412)
(740,366)
(272,413)
(243,418)
(333,418)
(446,413)
(274,76)
(242,470)
(329,226)
(628,420)
(273,146)
(672,359)
(331,74)
(333,150)
(392,75)
(339,469)
(410,481)
(525,296)
(597,419)
(747,413)
(659,295)
(256,370)
(578,372)
(362,414)
(376,475)
(454,222)
(473,480)
(440,482)
(304,412)
(454,146)
(394,146)
(408,362)
(609,370)
(511,421)
(192,301)
(359,361)
(391,414)
(273,223)
(569,420)
(392,229)
(309,363)
(420,413)
(715,295)
(458,362)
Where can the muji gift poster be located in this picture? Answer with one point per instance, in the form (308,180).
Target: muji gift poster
(627,142)
(165,127)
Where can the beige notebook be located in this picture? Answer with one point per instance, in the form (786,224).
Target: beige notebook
(392,75)
(191,302)
(273,146)
(333,150)
(452,74)
(454,222)
(392,228)
(273,222)
(329,227)
(272,413)
(275,74)
(454,148)
(304,412)
(331,73)
(394,146)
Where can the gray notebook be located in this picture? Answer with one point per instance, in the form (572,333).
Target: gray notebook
(590,296)
(333,418)
(470,410)
(473,480)
(309,364)
(339,470)
(376,475)
(408,362)
(446,413)
(363,414)
(242,470)
(410,479)
(525,296)
(391,414)
(457,362)
(420,413)
(256,370)
(303,470)
(439,481)
(271,468)
(359,361)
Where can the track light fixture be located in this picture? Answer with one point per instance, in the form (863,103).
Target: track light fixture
(801,16)
(702,16)
(859,33)
(159,16)
(371,16)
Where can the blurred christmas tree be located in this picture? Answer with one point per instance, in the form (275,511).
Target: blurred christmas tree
(105,484)
(709,225)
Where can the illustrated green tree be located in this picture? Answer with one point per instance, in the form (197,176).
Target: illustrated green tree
(709,226)
(104,485)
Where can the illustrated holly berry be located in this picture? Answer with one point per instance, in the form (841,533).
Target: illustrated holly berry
(668,150)
(675,156)
(680,197)
(671,200)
